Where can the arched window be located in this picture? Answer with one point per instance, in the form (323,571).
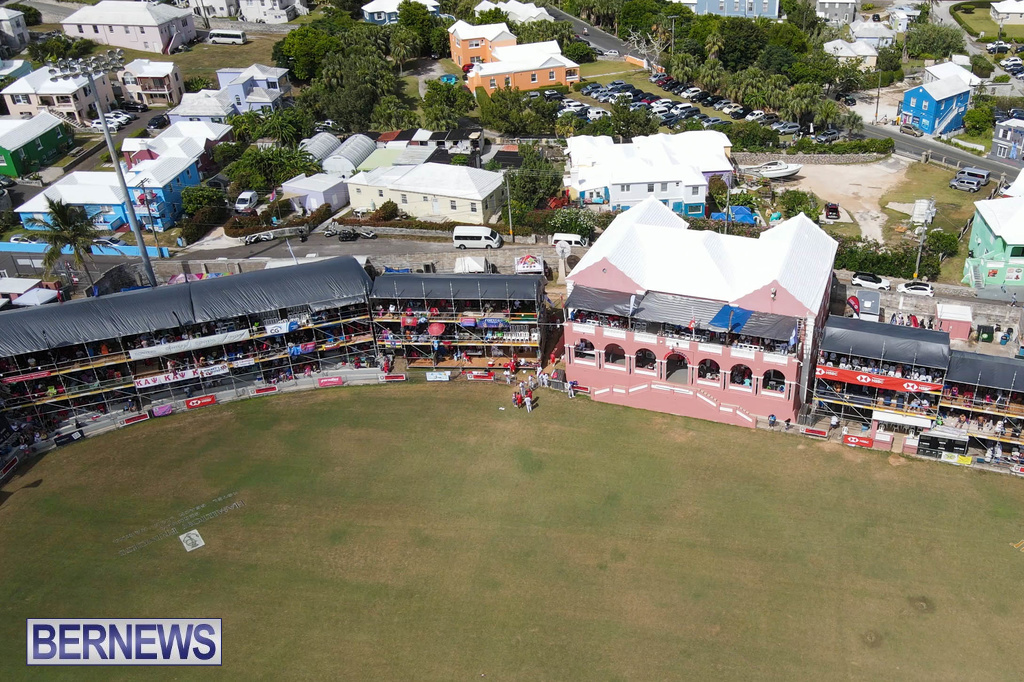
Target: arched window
(773,380)
(645,359)
(614,355)
(708,369)
(583,349)
(676,368)
(740,375)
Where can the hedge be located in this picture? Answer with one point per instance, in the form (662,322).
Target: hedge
(244,225)
(407,224)
(199,225)
(954,11)
(807,146)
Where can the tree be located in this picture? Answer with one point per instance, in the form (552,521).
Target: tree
(226,152)
(304,51)
(788,36)
(535,180)
(247,125)
(648,45)
(752,136)
(509,113)
(851,122)
(711,75)
(392,114)
(814,67)
(890,57)
(934,40)
(943,244)
(567,125)
(714,43)
(279,127)
(683,67)
(33,17)
(638,16)
(581,53)
(68,227)
(742,42)
(802,14)
(629,124)
(444,104)
(795,201)
(827,112)
(405,45)
(263,169)
(416,17)
(801,101)
(200,196)
(495,15)
(197,83)
(979,120)
(59,47)
(776,58)
(572,221)
(980,66)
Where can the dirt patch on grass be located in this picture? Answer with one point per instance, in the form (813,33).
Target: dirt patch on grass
(898,461)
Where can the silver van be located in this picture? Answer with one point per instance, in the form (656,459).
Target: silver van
(982,176)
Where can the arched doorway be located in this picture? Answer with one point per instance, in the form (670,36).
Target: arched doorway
(677,369)
(773,380)
(646,359)
(708,369)
(583,350)
(740,375)
(614,355)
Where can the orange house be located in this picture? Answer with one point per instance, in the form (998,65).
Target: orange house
(528,67)
(475,44)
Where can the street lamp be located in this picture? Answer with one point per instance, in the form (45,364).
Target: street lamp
(100,65)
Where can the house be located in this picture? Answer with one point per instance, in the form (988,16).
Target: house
(937,107)
(694,322)
(1008,12)
(1008,142)
(937,72)
(475,44)
(519,12)
(527,67)
(26,145)
(308,193)
(837,13)
(995,252)
(73,98)
(674,169)
(13,30)
(151,82)
(873,32)
(255,88)
(431,191)
(213,106)
(845,52)
(384,12)
(748,9)
(344,160)
(193,139)
(146,26)
(14,68)
(211,8)
(271,11)
(899,20)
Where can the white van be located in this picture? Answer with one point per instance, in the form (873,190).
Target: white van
(225,37)
(570,238)
(246,201)
(476,237)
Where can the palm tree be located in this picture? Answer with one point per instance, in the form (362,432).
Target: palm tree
(714,44)
(278,127)
(68,227)
(776,90)
(826,113)
(405,44)
(246,125)
(391,114)
(565,125)
(711,74)
(851,121)
(683,67)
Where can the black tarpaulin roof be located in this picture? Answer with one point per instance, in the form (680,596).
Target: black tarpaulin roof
(880,341)
(602,301)
(986,370)
(392,286)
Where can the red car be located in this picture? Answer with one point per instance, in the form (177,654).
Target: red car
(466,68)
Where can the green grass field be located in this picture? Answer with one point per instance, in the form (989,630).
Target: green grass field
(418,532)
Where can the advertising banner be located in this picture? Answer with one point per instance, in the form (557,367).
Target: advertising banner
(171,377)
(66,438)
(200,401)
(8,468)
(163,410)
(325,382)
(188,344)
(27,377)
(264,390)
(439,376)
(820,433)
(136,419)
(858,441)
(244,362)
(480,376)
(394,377)
(282,327)
(850,376)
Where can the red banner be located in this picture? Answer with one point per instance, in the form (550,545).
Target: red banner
(329,381)
(263,390)
(858,441)
(8,468)
(850,376)
(820,433)
(27,377)
(394,377)
(136,419)
(201,401)
(480,376)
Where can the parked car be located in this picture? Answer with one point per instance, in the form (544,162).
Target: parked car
(965,184)
(831,211)
(721,105)
(246,201)
(159,121)
(659,77)
(108,242)
(133,106)
(97,124)
(125,114)
(998,47)
(552,95)
(868,280)
(916,288)
(7,182)
(908,129)
(769,119)
(615,85)
(740,113)
(690,93)
(755,115)
(668,84)
(788,129)
(711,121)
(259,237)
(611,53)
(1011,61)
(845,98)
(24,239)
(367,234)
(713,100)
(590,87)
(827,137)
(729,109)
(876,17)
(119,119)
(347,235)
(596,113)
(700,117)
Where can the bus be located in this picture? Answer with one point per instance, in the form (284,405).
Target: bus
(219,36)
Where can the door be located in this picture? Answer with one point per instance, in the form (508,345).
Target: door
(435,207)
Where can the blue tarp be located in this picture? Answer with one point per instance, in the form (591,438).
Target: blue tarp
(730,318)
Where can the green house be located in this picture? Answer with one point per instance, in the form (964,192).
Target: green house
(995,255)
(26,145)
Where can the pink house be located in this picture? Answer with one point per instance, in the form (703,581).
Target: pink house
(146,26)
(697,323)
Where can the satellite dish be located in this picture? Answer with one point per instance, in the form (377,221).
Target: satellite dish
(563,249)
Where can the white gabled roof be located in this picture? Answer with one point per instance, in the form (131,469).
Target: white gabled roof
(528,57)
(158,172)
(321,182)
(463,31)
(947,69)
(146,68)
(256,71)
(126,13)
(38,83)
(858,48)
(519,12)
(8,14)
(871,29)
(950,86)
(15,133)
(80,188)
(1016,188)
(1005,217)
(654,248)
(391,6)
(433,178)
(1009,7)
(704,150)
(204,103)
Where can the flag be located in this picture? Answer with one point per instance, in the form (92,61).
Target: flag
(273,196)
(693,323)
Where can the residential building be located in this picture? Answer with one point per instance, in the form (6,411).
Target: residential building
(72,98)
(475,44)
(674,169)
(837,13)
(1008,145)
(212,106)
(255,88)
(519,12)
(1008,12)
(848,52)
(384,12)
(899,20)
(211,8)
(937,72)
(271,11)
(151,82)
(13,30)
(874,32)
(937,107)
(146,26)
(528,67)
(193,139)
(309,192)
(26,145)
(995,252)
(748,9)
(14,68)
(698,323)
(431,191)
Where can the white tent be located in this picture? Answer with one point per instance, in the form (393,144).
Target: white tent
(35,297)
(467,264)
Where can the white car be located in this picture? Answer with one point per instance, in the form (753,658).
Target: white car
(611,53)
(1011,61)
(123,119)
(755,115)
(870,281)
(125,114)
(108,242)
(916,288)
(113,124)
(23,239)
(687,94)
(596,113)
(720,106)
(661,108)
(731,108)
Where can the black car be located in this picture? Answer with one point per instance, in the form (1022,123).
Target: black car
(700,97)
(552,95)
(670,120)
(1017,113)
(1020,48)
(739,114)
(133,106)
(159,121)
(348,236)
(669,84)
(713,100)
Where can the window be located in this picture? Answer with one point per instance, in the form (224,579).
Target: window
(126,30)
(474,44)
(664,186)
(721,5)
(735,5)
(924,105)
(494,83)
(1001,151)
(694,191)
(1017,252)
(405,198)
(359,190)
(59,133)
(472,207)
(533,77)
(110,29)
(764,6)
(650,187)
(80,29)
(184,23)
(913,101)
(453,205)
(21,99)
(750,6)
(39,143)
(380,193)
(1004,134)
(95,29)
(3,161)
(238,100)
(551,75)
(508,81)
(458,43)
(426,198)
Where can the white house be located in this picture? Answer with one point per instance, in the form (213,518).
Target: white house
(149,82)
(431,191)
(844,52)
(72,98)
(146,26)
(385,12)
(519,12)
(837,13)
(308,193)
(1008,12)
(13,30)
(211,8)
(873,32)
(937,72)
(271,11)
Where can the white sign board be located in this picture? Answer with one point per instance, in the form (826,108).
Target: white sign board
(191,540)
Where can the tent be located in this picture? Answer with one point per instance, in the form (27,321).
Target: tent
(35,297)
(471,264)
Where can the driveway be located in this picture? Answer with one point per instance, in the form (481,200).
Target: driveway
(426,70)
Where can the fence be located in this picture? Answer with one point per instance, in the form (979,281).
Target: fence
(125,250)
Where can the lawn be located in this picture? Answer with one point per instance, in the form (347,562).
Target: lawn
(981,20)
(400,533)
(204,59)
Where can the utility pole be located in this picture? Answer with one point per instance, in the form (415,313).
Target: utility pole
(673,18)
(508,201)
(878,95)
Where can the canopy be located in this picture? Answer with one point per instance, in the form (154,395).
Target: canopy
(391,286)
(602,301)
(36,297)
(679,310)
(886,342)
(471,264)
(986,370)
(730,319)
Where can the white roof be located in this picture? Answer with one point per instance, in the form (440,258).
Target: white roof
(950,86)
(8,14)
(519,12)
(10,66)
(516,58)
(150,69)
(953,312)
(17,285)
(703,150)
(80,188)
(15,133)
(654,248)
(1005,217)
(463,31)
(257,71)
(1016,188)
(1009,7)
(433,178)
(858,48)
(204,103)
(126,13)
(947,69)
(321,145)
(350,154)
(184,138)
(36,297)
(391,6)
(321,182)
(158,172)
(38,83)
(871,29)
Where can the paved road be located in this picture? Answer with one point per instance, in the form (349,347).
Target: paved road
(915,146)
(595,36)
(53,12)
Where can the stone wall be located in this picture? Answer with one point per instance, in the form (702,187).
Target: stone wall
(250,27)
(756,159)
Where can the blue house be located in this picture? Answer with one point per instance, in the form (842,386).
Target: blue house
(255,88)
(384,12)
(937,107)
(738,8)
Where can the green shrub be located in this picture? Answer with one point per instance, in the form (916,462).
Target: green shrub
(577,86)
(806,145)
(199,225)
(387,211)
(33,17)
(867,7)
(1004,78)
(965,8)
(243,225)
